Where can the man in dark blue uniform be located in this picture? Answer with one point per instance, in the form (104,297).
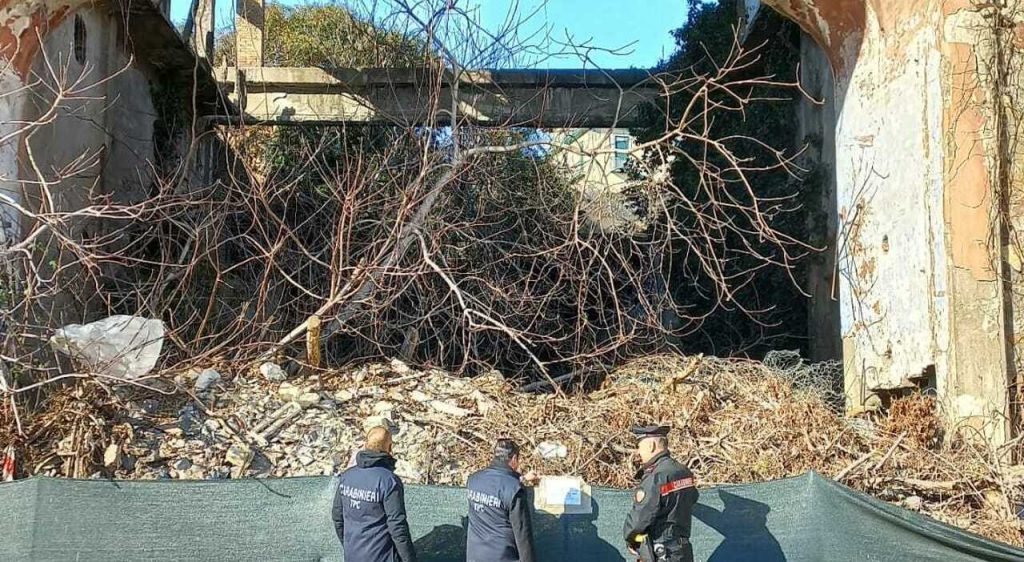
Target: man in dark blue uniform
(500,528)
(658,527)
(369,506)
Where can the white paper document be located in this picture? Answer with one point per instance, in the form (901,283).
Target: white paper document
(562,491)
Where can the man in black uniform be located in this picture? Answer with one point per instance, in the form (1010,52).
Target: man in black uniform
(369,506)
(658,527)
(500,529)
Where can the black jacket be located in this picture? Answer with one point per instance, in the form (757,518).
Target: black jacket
(663,505)
(500,528)
(369,511)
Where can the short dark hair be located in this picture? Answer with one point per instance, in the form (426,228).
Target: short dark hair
(505,449)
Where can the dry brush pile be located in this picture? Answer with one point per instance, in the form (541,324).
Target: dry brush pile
(735,421)
(738,421)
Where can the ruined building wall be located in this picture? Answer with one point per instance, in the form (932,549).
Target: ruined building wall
(893,293)
(921,267)
(980,325)
(78,118)
(1009,61)
(108,119)
(107,127)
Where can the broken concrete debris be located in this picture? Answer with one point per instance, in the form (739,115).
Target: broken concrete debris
(273,372)
(112,456)
(399,368)
(307,399)
(343,395)
(239,456)
(206,380)
(288,392)
(733,428)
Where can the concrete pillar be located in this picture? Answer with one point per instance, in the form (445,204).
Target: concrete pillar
(979,193)
(249,32)
(816,134)
(203,30)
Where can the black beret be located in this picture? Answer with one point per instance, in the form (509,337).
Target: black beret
(645,431)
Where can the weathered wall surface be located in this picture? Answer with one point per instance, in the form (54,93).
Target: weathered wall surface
(106,119)
(104,127)
(77,120)
(23,26)
(980,357)
(894,310)
(919,190)
(1010,74)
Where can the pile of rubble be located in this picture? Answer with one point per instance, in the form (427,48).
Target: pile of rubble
(257,424)
(736,421)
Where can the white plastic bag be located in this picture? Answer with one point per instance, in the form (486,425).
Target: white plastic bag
(552,450)
(125,347)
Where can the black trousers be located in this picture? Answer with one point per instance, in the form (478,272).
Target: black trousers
(676,553)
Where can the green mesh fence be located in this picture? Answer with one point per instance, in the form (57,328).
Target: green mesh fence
(808,518)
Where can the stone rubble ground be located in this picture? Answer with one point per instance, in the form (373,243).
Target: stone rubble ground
(737,421)
(259,425)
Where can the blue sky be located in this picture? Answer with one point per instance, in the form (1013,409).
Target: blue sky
(641,27)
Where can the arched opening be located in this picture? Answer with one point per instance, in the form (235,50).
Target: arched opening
(80,39)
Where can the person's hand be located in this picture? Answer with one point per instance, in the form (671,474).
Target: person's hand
(632,549)
(530,479)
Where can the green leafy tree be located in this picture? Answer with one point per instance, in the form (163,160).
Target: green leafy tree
(326,36)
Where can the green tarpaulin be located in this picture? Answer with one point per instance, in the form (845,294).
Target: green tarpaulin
(798,519)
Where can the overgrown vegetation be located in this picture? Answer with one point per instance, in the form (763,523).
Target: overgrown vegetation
(327,36)
(455,246)
(764,307)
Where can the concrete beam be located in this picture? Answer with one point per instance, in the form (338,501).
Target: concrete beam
(542,98)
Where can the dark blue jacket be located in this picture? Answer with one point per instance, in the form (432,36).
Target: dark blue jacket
(369,512)
(663,508)
(500,529)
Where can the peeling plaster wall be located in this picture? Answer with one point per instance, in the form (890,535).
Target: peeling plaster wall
(977,386)
(1013,106)
(894,309)
(922,274)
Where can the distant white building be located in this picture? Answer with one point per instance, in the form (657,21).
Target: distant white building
(597,160)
